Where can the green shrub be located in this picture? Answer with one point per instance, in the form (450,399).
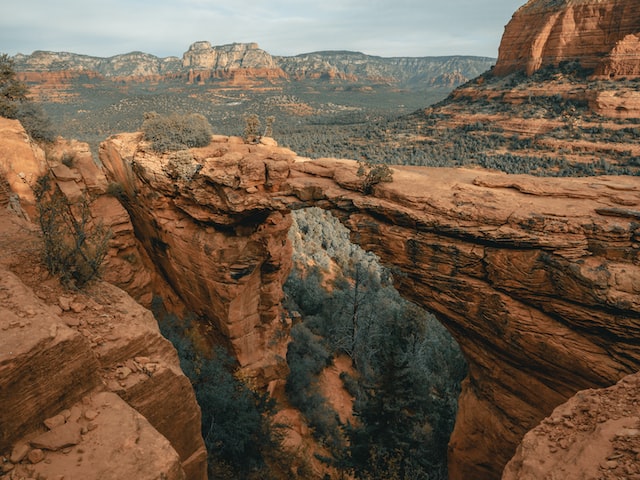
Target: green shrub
(175,131)
(372,174)
(36,122)
(74,246)
(12,91)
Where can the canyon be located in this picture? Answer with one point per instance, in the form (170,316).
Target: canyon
(535,277)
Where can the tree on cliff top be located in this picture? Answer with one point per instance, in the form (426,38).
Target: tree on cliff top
(12,90)
(14,103)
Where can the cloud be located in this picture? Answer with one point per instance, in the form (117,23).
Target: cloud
(282,27)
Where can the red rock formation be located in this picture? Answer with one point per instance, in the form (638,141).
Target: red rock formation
(600,34)
(62,354)
(237,76)
(215,236)
(57,346)
(535,277)
(596,434)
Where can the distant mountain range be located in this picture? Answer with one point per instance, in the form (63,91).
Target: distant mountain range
(203,61)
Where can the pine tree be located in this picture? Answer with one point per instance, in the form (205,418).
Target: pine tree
(12,91)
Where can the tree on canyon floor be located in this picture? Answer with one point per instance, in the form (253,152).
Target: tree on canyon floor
(408,369)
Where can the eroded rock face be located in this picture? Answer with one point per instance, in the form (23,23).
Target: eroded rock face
(596,434)
(60,347)
(211,229)
(600,34)
(536,278)
(87,373)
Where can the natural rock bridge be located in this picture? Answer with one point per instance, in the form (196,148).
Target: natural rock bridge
(538,279)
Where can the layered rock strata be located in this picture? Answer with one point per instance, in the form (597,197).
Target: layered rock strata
(602,35)
(61,357)
(536,278)
(59,348)
(208,224)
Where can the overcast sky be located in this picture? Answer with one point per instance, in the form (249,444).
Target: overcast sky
(281,27)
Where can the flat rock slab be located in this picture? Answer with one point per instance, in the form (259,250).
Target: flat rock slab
(59,437)
(118,443)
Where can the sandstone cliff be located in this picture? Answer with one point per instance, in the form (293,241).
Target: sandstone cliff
(596,434)
(535,277)
(214,236)
(602,35)
(62,352)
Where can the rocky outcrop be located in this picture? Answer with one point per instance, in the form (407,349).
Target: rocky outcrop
(534,277)
(87,378)
(602,35)
(59,348)
(130,64)
(596,434)
(214,236)
(202,56)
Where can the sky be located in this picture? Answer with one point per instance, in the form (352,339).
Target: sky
(388,28)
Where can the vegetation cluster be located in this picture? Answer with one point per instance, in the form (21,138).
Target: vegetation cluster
(74,243)
(176,131)
(241,438)
(14,103)
(407,367)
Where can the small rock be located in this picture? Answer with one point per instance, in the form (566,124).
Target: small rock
(74,414)
(142,360)
(60,437)
(54,422)
(65,303)
(36,455)
(91,426)
(150,368)
(72,322)
(77,307)
(6,467)
(123,372)
(90,415)
(609,465)
(19,451)
(131,365)
(569,424)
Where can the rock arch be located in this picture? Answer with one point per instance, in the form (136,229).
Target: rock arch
(536,278)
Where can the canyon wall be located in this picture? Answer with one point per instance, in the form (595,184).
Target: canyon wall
(536,278)
(208,223)
(89,372)
(602,35)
